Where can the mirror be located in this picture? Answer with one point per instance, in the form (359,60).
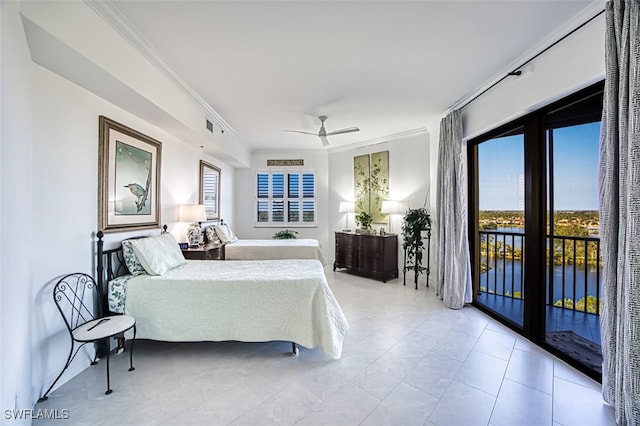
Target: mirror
(210,189)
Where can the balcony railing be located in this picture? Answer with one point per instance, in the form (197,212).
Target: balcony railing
(573,274)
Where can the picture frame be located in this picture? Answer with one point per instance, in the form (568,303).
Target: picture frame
(128,178)
(371,184)
(210,189)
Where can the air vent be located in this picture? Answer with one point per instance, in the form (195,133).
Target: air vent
(210,126)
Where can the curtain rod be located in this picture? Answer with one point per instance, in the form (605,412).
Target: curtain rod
(517,70)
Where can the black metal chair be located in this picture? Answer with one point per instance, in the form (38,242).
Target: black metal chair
(74,295)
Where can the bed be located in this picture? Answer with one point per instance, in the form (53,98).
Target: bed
(248,301)
(263,249)
(304,248)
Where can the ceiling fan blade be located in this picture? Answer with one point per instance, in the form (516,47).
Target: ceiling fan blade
(304,133)
(347,130)
(325,141)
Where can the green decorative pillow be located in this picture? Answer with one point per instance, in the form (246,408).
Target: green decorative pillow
(131,260)
(212,236)
(158,254)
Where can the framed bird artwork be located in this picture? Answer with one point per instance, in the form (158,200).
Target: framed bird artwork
(128,178)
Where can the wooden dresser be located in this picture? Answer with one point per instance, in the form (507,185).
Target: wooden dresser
(368,255)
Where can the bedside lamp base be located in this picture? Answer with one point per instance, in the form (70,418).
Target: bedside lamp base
(193,234)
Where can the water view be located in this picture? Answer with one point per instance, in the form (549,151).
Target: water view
(575,271)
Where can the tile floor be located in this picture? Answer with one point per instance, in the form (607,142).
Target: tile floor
(406,361)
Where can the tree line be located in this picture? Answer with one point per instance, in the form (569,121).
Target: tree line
(582,224)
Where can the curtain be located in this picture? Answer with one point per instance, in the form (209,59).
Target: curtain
(619,194)
(453,284)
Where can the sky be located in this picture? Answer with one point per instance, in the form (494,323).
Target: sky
(501,170)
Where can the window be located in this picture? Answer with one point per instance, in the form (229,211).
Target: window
(286,198)
(210,189)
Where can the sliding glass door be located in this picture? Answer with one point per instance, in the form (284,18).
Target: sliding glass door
(533,226)
(573,241)
(500,178)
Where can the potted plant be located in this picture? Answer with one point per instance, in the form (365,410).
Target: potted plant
(364,219)
(285,234)
(413,223)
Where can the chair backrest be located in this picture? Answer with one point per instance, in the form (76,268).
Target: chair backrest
(74,295)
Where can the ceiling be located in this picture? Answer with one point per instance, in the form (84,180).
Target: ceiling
(388,67)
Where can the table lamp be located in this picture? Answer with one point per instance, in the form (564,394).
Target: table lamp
(194,213)
(391,207)
(347,207)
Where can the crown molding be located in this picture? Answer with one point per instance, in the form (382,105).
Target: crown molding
(110,13)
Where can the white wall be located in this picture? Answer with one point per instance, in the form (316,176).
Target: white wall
(17,250)
(409,180)
(49,205)
(244,221)
(65,187)
(571,65)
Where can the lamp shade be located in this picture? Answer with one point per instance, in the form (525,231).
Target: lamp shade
(389,207)
(192,213)
(347,207)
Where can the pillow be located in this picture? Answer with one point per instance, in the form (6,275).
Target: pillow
(118,293)
(131,260)
(158,254)
(225,233)
(212,237)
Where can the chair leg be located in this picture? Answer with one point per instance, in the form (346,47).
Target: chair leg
(66,365)
(108,381)
(131,368)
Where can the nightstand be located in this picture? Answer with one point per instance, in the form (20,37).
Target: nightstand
(204,252)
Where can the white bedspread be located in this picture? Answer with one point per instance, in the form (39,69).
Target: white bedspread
(274,249)
(252,301)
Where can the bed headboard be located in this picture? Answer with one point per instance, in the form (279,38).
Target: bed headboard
(109,265)
(113,261)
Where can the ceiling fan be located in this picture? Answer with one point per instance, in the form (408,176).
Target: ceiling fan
(322,133)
